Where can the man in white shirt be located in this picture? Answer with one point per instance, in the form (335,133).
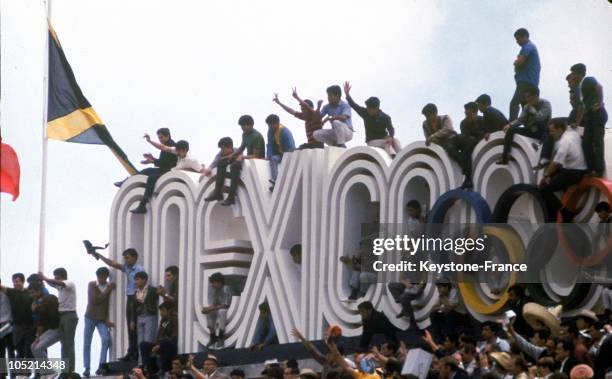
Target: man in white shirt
(567,167)
(490,338)
(185,162)
(210,368)
(66,293)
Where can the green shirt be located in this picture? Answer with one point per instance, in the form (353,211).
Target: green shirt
(254,140)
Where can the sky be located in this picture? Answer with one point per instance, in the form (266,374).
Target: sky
(196,66)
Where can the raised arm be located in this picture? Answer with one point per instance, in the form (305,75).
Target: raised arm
(194,371)
(109,262)
(286,108)
(158,145)
(340,361)
(302,102)
(361,111)
(314,352)
(52,282)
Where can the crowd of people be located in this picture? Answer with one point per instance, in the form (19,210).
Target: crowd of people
(535,344)
(565,156)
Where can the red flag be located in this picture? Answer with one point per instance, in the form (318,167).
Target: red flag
(9,170)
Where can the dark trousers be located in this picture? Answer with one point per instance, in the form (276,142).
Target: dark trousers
(23,336)
(548,145)
(6,348)
(234,174)
(518,99)
(593,139)
(68,324)
(405,299)
(466,146)
(559,181)
(130,315)
(313,145)
(537,132)
(152,173)
(456,154)
(167,351)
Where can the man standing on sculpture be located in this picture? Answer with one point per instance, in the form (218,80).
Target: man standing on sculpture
(96,317)
(67,309)
(526,71)
(129,268)
(591,114)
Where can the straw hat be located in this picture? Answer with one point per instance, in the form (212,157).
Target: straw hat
(503,359)
(588,314)
(308,373)
(534,313)
(211,357)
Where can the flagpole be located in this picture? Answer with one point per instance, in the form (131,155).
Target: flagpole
(43,189)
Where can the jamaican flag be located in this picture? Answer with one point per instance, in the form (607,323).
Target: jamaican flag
(70,117)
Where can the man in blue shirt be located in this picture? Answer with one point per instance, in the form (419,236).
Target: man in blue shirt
(338,113)
(591,114)
(265,331)
(526,70)
(280,141)
(130,268)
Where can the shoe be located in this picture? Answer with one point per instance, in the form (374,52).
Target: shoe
(140,209)
(229,201)
(212,342)
(103,370)
(86,373)
(400,315)
(341,145)
(220,345)
(354,295)
(214,197)
(467,184)
(119,183)
(536,146)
